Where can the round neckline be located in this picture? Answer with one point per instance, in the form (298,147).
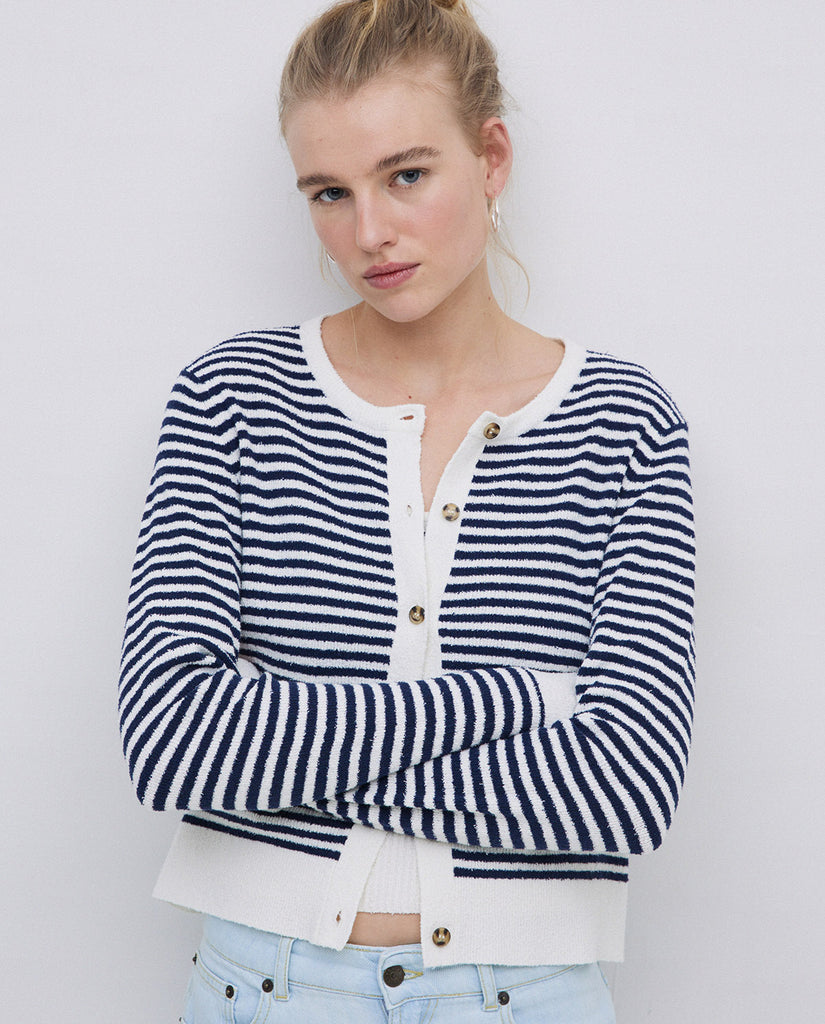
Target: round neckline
(395,417)
(380,417)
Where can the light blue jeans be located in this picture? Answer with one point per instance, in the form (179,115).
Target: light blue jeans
(244,976)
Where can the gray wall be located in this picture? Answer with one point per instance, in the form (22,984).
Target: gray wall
(667,208)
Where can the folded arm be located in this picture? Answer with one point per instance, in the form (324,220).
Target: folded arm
(607,777)
(199,734)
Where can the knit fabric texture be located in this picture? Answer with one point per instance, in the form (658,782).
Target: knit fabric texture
(267,537)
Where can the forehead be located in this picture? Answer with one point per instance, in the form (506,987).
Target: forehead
(391,113)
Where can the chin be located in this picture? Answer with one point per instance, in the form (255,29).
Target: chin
(409,306)
(400,309)
(402,316)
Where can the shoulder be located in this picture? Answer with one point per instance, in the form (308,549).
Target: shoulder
(626,388)
(249,354)
(254,370)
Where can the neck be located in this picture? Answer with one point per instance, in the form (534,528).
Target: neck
(456,344)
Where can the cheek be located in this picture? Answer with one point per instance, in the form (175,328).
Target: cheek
(461,219)
(470,230)
(323,230)
(333,229)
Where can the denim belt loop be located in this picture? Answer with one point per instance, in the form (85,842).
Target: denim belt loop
(488,986)
(281,969)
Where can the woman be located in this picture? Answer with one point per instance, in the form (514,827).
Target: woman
(409,638)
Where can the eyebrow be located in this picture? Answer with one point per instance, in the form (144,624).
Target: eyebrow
(386,163)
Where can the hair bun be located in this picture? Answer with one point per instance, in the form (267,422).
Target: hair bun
(354,41)
(445,5)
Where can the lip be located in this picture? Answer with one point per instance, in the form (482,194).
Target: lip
(389,275)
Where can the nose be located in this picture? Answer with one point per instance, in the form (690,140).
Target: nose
(374,229)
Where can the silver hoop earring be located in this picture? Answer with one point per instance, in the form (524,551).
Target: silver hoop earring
(495,214)
(329,258)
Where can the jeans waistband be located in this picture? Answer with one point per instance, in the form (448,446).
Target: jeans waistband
(395,973)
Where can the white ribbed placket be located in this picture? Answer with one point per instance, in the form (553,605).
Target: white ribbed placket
(406,516)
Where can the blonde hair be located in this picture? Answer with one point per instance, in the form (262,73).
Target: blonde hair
(356,40)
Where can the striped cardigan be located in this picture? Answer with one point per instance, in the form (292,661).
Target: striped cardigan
(405,682)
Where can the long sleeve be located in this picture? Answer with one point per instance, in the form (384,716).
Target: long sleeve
(607,778)
(196,733)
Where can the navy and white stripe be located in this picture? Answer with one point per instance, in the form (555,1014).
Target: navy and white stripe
(266,535)
(576,550)
(568,867)
(299,829)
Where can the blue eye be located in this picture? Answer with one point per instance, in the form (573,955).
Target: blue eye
(329,195)
(410,177)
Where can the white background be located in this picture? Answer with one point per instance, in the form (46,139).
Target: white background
(669,207)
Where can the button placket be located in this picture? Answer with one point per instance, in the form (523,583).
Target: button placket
(409,645)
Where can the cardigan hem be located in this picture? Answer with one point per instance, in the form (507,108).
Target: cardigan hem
(527,922)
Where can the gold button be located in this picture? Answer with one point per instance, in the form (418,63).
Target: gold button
(451,512)
(416,613)
(492,430)
(441,936)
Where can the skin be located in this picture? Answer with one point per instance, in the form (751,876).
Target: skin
(392,178)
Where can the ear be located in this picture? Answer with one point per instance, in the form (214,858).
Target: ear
(497,152)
